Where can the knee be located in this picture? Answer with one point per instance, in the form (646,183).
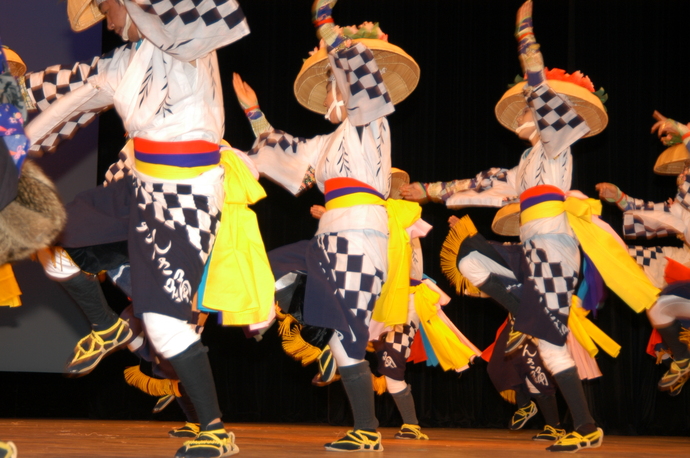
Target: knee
(169,336)
(556,358)
(57,264)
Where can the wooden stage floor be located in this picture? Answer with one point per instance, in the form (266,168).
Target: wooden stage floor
(148,439)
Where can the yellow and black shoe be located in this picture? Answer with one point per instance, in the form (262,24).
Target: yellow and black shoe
(328,369)
(575,441)
(97,345)
(355,441)
(188,430)
(7,450)
(549,434)
(521,416)
(411,432)
(676,376)
(209,444)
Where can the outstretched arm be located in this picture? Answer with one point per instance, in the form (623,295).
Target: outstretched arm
(611,193)
(322,17)
(528,49)
(250,104)
(670,131)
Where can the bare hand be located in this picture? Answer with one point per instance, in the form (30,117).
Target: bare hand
(607,191)
(453,220)
(244,92)
(667,128)
(413,191)
(317,211)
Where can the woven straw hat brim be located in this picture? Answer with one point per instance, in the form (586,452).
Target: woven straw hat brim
(16,64)
(672,160)
(507,220)
(400,73)
(398,178)
(587,105)
(83,14)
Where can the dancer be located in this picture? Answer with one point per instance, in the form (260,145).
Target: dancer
(552,115)
(168,212)
(665,266)
(347,260)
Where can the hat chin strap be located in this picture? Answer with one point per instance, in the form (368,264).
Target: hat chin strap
(335,105)
(527,125)
(128,24)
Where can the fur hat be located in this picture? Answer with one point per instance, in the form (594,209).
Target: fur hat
(33,219)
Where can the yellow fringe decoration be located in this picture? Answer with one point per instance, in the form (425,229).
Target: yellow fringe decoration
(661,353)
(293,343)
(509,395)
(379,384)
(449,256)
(684,335)
(149,385)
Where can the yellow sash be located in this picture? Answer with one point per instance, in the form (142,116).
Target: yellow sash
(9,289)
(391,306)
(451,353)
(240,283)
(587,333)
(620,272)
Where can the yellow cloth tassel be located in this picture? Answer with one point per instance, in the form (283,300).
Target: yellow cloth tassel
(391,306)
(449,256)
(509,395)
(240,282)
(587,333)
(379,384)
(149,385)
(9,289)
(450,351)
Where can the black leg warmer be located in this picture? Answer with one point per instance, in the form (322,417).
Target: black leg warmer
(194,371)
(357,382)
(87,293)
(405,403)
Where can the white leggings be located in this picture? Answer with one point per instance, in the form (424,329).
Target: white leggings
(169,336)
(476,268)
(395,386)
(556,358)
(57,264)
(340,354)
(667,309)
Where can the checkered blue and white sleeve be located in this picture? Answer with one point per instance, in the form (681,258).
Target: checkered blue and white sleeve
(361,84)
(285,159)
(69,98)
(559,123)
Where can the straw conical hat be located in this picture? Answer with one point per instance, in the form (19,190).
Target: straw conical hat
(83,14)
(399,71)
(507,220)
(16,64)
(585,102)
(672,160)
